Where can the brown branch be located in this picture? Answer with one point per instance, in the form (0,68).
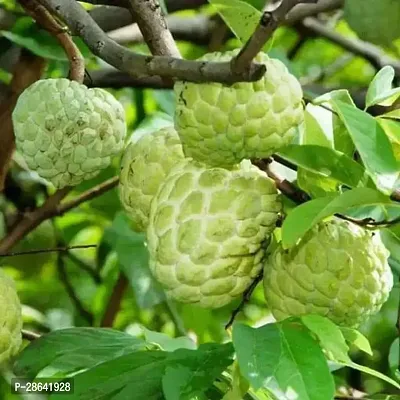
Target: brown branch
(269,22)
(50,250)
(48,22)
(29,335)
(114,303)
(153,27)
(172,5)
(80,22)
(51,208)
(245,299)
(376,56)
(88,195)
(62,271)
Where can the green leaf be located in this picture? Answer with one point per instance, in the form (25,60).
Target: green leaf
(240,385)
(191,372)
(241,17)
(28,35)
(394,358)
(326,162)
(73,349)
(329,335)
(285,359)
(133,258)
(356,338)
(380,89)
(302,218)
(167,343)
(372,144)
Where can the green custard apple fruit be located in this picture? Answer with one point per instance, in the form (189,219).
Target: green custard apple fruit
(144,166)
(221,125)
(208,230)
(375,21)
(338,270)
(10,319)
(66,132)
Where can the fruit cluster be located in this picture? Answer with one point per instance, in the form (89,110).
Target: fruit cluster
(208,212)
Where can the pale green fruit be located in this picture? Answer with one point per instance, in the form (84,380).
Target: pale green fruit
(222,125)
(376,21)
(208,230)
(338,270)
(10,319)
(144,166)
(66,132)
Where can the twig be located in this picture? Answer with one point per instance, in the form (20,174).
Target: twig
(85,267)
(153,26)
(172,5)
(50,250)
(371,53)
(266,27)
(47,21)
(29,335)
(80,22)
(88,316)
(245,299)
(114,304)
(51,208)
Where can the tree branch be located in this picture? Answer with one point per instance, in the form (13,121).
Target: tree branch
(50,250)
(269,22)
(51,208)
(114,304)
(371,53)
(62,271)
(29,335)
(308,10)
(48,22)
(153,27)
(80,22)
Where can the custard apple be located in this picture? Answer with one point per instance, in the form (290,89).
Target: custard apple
(338,270)
(221,125)
(66,132)
(376,21)
(10,319)
(144,166)
(208,230)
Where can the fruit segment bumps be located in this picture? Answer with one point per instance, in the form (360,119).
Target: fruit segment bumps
(338,270)
(66,132)
(208,230)
(221,125)
(10,319)
(144,166)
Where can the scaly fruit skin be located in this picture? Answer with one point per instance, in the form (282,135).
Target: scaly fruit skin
(208,230)
(66,132)
(374,21)
(221,125)
(10,319)
(144,166)
(338,270)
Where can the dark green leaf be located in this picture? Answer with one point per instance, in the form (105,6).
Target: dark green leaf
(73,349)
(326,162)
(372,144)
(285,359)
(304,217)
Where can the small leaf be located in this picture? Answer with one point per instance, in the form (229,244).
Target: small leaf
(301,219)
(284,359)
(241,17)
(329,335)
(326,162)
(372,144)
(394,358)
(380,89)
(356,338)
